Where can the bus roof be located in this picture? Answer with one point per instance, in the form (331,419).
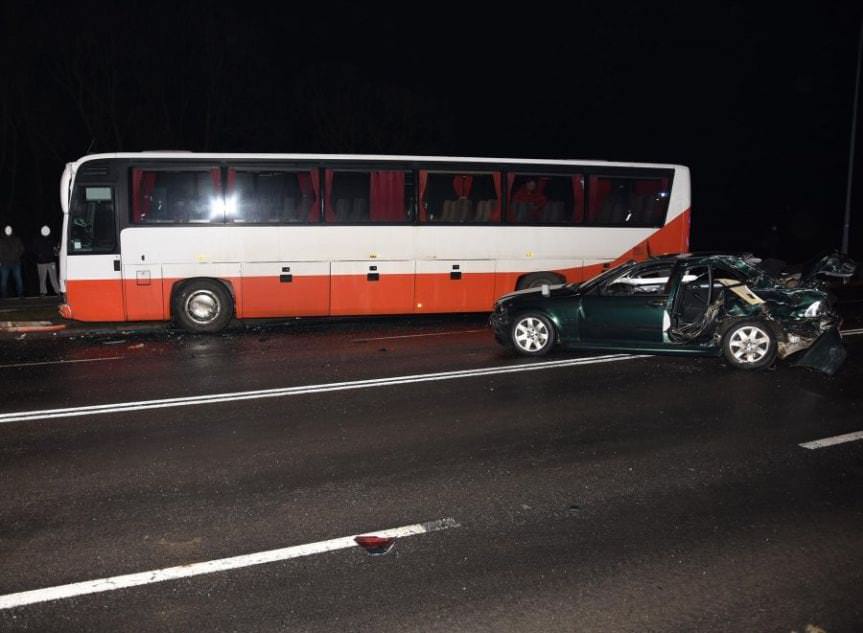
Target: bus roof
(187,155)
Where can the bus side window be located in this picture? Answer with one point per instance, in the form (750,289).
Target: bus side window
(364,197)
(545,199)
(460,198)
(628,201)
(266,196)
(177,196)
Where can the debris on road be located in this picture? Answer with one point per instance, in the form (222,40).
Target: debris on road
(31,326)
(375,545)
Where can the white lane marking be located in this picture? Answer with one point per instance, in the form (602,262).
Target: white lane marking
(122,407)
(125,581)
(391,338)
(832,441)
(62,362)
(851,332)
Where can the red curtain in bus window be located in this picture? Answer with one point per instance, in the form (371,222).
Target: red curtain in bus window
(423,211)
(462,185)
(216,175)
(494,217)
(387,196)
(232,199)
(577,199)
(600,187)
(510,181)
(310,186)
(329,212)
(143,184)
(644,186)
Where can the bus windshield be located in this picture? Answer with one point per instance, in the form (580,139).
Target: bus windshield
(91,221)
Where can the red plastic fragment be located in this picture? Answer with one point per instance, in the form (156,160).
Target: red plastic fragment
(375,545)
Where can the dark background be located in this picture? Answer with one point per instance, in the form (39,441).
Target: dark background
(756,99)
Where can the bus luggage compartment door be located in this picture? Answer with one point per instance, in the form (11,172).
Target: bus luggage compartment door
(372,287)
(274,289)
(454,285)
(142,292)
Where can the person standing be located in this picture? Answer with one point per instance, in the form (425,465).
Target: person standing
(11,250)
(45,250)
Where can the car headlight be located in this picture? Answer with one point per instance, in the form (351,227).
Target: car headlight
(816,309)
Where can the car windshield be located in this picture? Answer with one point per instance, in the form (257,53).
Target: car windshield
(605,274)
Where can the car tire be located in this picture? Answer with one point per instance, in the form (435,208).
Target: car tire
(203,306)
(537,280)
(749,345)
(532,334)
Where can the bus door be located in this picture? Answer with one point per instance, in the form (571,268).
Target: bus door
(457,285)
(142,292)
(372,286)
(94,285)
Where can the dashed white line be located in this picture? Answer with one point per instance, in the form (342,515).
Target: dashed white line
(123,407)
(61,362)
(125,581)
(832,441)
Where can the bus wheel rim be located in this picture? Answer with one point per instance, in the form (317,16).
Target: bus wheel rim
(203,306)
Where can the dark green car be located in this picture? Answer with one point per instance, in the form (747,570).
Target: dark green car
(685,304)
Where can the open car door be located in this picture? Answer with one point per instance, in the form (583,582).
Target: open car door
(627,309)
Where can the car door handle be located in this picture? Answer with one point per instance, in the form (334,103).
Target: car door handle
(657,303)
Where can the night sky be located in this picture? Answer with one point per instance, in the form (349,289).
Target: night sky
(756,100)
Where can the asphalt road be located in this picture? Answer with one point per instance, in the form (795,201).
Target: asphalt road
(632,494)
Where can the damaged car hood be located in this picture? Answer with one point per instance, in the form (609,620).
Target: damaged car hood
(833,265)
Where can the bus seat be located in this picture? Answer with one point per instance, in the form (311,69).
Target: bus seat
(289,209)
(463,210)
(360,210)
(448,211)
(520,212)
(343,209)
(483,210)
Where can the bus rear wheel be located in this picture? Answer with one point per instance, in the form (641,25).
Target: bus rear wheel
(203,305)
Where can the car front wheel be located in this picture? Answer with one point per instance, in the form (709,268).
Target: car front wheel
(532,334)
(749,345)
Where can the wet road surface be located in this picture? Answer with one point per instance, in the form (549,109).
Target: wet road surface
(616,493)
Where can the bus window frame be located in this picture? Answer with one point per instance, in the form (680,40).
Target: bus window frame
(168,166)
(411,173)
(626,172)
(548,174)
(84,184)
(467,169)
(285,167)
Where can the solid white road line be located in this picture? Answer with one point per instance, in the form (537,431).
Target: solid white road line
(832,441)
(851,332)
(392,338)
(59,592)
(122,407)
(62,362)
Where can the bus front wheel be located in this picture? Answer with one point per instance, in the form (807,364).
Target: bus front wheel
(203,305)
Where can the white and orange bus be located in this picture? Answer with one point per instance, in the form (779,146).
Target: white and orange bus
(202,238)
